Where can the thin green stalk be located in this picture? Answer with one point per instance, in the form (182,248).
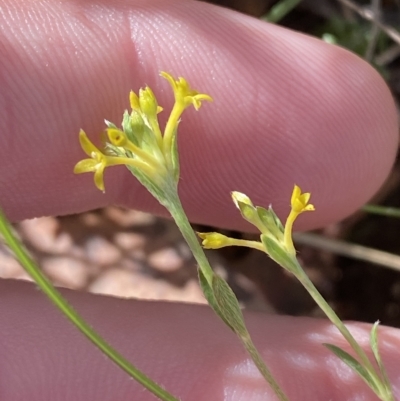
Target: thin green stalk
(334,318)
(61,303)
(258,361)
(179,215)
(382,210)
(280,10)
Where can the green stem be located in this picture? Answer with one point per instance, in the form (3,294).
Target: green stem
(262,367)
(334,318)
(280,10)
(178,214)
(56,298)
(382,210)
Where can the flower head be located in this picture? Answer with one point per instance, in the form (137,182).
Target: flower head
(299,203)
(96,163)
(184,94)
(140,145)
(276,239)
(214,240)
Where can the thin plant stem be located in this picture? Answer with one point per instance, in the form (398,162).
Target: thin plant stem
(261,366)
(177,212)
(382,210)
(334,318)
(61,303)
(280,10)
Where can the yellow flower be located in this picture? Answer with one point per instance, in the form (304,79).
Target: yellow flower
(140,145)
(184,97)
(216,240)
(299,203)
(184,94)
(97,162)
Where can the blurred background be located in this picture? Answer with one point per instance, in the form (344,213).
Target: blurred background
(355,263)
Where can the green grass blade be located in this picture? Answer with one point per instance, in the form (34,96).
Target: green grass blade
(354,365)
(382,210)
(60,302)
(280,10)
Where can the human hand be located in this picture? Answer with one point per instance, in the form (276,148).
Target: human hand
(288,109)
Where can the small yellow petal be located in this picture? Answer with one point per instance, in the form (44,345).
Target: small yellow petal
(99,179)
(299,201)
(148,102)
(134,101)
(85,166)
(86,144)
(184,94)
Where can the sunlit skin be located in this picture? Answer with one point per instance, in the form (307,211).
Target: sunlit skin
(273,94)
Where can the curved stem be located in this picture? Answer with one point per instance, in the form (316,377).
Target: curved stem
(61,303)
(178,214)
(334,318)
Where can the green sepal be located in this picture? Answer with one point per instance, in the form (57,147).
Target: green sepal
(131,131)
(354,365)
(248,212)
(271,221)
(110,124)
(279,254)
(160,193)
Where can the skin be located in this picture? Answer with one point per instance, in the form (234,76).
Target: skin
(287,109)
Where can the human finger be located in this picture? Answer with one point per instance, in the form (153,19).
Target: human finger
(183,347)
(287,109)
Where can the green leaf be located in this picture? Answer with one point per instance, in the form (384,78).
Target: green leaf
(279,254)
(228,305)
(353,364)
(209,295)
(280,10)
(7,232)
(375,349)
(373,340)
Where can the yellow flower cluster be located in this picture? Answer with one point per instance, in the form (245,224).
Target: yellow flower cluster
(140,145)
(267,222)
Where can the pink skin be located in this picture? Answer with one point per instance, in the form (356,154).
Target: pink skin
(287,109)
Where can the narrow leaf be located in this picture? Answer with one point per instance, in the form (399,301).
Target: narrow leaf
(375,349)
(209,295)
(354,365)
(228,305)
